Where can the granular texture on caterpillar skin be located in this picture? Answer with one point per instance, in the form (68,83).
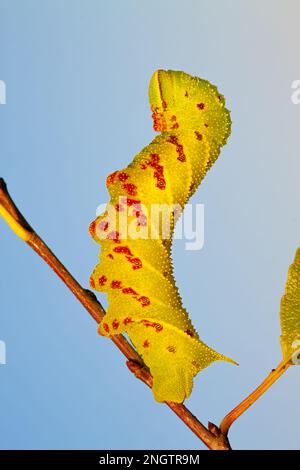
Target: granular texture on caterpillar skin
(136,272)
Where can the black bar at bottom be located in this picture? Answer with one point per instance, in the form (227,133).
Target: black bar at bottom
(133,458)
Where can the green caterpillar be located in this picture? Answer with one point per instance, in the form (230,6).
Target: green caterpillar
(135,270)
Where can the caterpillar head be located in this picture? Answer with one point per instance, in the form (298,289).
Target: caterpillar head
(181,101)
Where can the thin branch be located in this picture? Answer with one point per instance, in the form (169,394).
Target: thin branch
(254,396)
(211,436)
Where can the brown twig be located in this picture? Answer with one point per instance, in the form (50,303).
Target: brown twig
(211,436)
(274,375)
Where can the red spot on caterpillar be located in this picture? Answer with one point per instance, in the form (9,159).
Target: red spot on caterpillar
(92,283)
(154,157)
(103,225)
(142,221)
(150,324)
(161,183)
(141,218)
(145,301)
(115,284)
(186,94)
(123,249)
(129,290)
(171,349)
(205,124)
(123,176)
(198,135)
(164,104)
(114,236)
(111,178)
(179,148)
(119,208)
(130,188)
(189,332)
(200,105)
(137,209)
(115,324)
(102,280)
(146,344)
(175,125)
(137,263)
(106,327)
(159,172)
(180,152)
(110,256)
(92,228)
(127,320)
(159,122)
(130,202)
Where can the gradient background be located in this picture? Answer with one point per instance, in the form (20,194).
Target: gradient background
(77,76)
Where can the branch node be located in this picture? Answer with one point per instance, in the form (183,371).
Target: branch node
(214,429)
(140,371)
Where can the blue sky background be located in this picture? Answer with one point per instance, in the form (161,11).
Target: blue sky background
(77,76)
